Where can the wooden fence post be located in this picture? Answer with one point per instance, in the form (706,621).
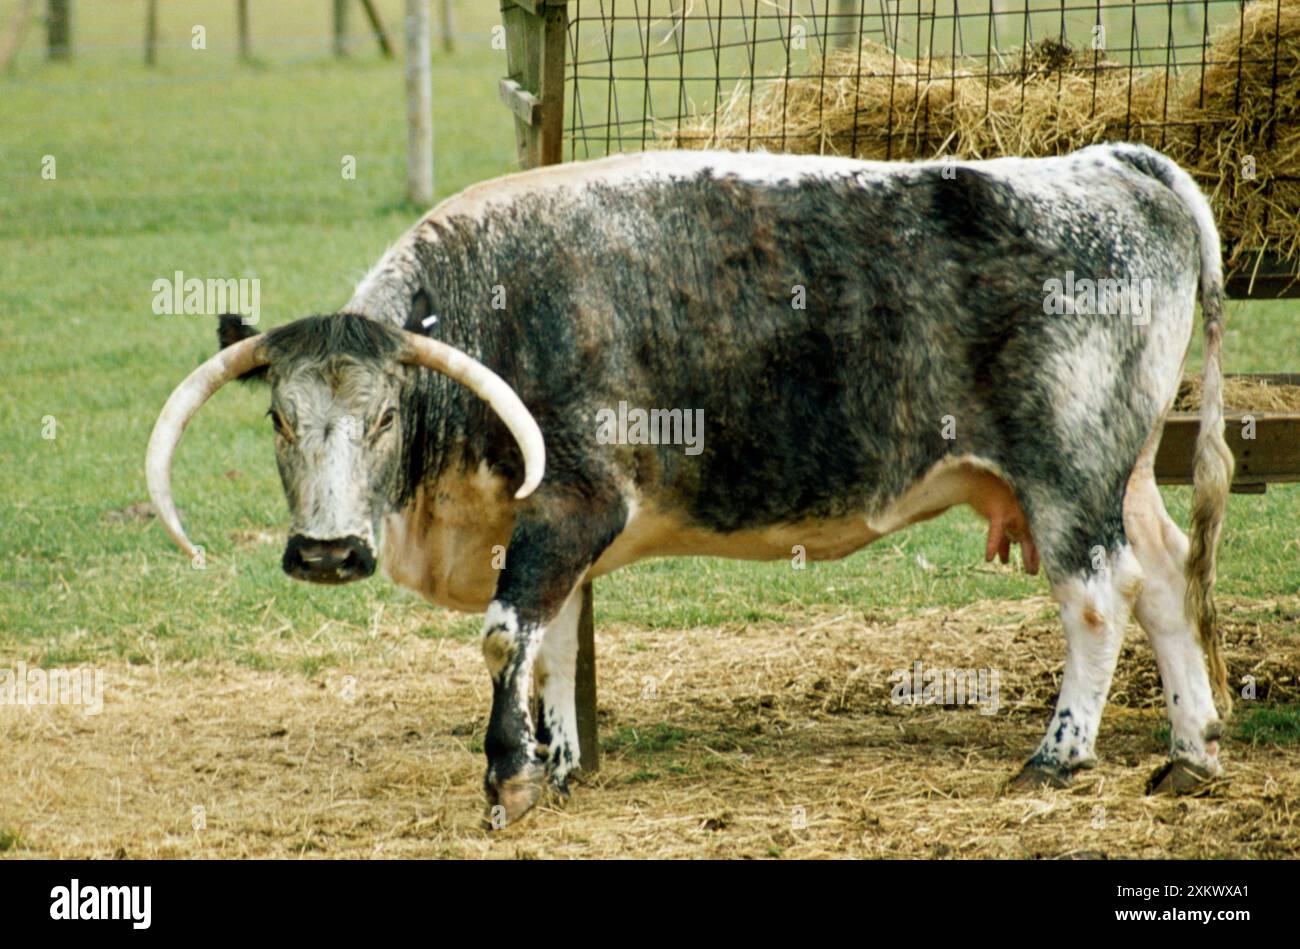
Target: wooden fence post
(245,42)
(845,24)
(447,26)
(340,27)
(419,105)
(14,36)
(536,33)
(151,32)
(58,29)
(585,687)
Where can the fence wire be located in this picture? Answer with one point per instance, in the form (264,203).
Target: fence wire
(639,70)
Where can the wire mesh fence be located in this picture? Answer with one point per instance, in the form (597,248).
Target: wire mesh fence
(643,70)
(1213,83)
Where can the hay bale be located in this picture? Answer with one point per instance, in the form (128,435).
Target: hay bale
(1047,99)
(1044,99)
(1243,113)
(1241,394)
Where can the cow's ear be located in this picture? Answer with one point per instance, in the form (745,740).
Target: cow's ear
(232,329)
(421,305)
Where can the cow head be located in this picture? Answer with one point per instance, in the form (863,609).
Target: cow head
(337,385)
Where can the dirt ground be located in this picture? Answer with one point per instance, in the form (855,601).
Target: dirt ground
(758,740)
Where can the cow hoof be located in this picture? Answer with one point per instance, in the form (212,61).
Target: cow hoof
(1033,777)
(1177,776)
(514,797)
(559,789)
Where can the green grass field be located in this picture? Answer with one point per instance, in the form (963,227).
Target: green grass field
(215,168)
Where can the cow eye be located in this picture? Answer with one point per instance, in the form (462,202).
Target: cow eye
(281,428)
(385,420)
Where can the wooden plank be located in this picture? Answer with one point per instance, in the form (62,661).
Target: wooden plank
(1275,378)
(535,7)
(845,26)
(1263,276)
(1272,456)
(585,687)
(519,24)
(526,106)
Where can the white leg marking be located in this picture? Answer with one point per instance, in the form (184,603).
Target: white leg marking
(500,636)
(1095,611)
(557,662)
(512,677)
(1161,548)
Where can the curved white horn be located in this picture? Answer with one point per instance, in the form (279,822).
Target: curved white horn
(492,389)
(188,398)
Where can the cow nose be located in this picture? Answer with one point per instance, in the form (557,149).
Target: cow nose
(323,556)
(338,560)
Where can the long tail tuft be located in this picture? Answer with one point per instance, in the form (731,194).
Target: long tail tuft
(1212,474)
(1212,479)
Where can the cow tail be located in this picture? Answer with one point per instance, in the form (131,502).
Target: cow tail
(1213,466)
(1211,478)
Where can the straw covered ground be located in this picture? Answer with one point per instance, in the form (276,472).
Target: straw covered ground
(759,740)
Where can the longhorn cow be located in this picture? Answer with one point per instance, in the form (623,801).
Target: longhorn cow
(859,345)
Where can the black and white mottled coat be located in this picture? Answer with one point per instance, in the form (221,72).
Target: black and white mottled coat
(922,370)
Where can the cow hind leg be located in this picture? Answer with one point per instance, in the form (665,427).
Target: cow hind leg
(1095,593)
(1161,548)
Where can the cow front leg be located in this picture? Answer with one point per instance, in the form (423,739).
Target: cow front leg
(531,627)
(557,711)
(1095,608)
(513,782)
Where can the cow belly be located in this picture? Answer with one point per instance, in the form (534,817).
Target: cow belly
(965,480)
(453,560)
(663,535)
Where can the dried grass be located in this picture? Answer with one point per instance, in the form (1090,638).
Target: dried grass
(1048,99)
(1241,393)
(748,729)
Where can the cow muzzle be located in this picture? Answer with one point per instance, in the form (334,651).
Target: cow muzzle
(340,560)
